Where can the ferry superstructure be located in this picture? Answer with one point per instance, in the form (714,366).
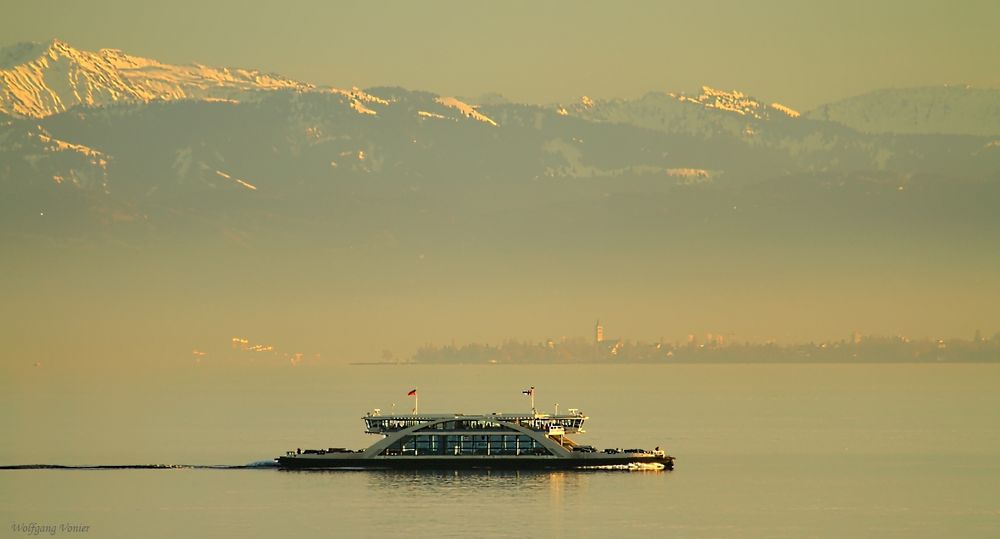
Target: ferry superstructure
(497,440)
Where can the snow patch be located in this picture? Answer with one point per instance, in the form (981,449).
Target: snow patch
(688,172)
(360,108)
(466,109)
(690,176)
(357,94)
(221,100)
(56,145)
(788,111)
(238,181)
(425,114)
(734,101)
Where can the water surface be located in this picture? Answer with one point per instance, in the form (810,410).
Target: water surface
(763,451)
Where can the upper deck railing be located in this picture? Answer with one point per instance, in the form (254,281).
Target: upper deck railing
(378,423)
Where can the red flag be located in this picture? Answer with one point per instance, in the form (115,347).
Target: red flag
(411,393)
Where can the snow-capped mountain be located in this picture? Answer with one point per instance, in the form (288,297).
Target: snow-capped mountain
(140,128)
(710,111)
(954,110)
(39,80)
(733,101)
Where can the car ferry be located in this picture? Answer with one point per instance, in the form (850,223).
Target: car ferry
(497,440)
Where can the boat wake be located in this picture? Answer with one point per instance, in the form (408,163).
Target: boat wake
(251,465)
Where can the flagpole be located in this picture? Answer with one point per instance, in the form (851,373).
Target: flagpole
(416,400)
(531,393)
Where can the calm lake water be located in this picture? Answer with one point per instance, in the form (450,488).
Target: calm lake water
(762,451)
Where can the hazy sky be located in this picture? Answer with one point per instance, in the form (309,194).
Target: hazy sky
(662,272)
(799,53)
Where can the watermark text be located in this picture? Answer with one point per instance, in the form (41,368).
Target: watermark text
(45,528)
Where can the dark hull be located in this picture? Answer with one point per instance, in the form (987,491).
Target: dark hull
(454,463)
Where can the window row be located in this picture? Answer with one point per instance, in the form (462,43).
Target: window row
(477,444)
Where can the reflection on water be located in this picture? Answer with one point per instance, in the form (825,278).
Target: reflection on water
(461,482)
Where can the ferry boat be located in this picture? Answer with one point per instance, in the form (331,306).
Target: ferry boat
(497,440)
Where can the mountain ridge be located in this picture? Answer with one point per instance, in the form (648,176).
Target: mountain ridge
(38,80)
(950,109)
(140,127)
(43,79)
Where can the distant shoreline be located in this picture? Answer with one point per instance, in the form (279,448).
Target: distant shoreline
(679,362)
(715,349)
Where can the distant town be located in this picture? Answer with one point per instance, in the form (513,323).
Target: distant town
(706,348)
(716,348)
